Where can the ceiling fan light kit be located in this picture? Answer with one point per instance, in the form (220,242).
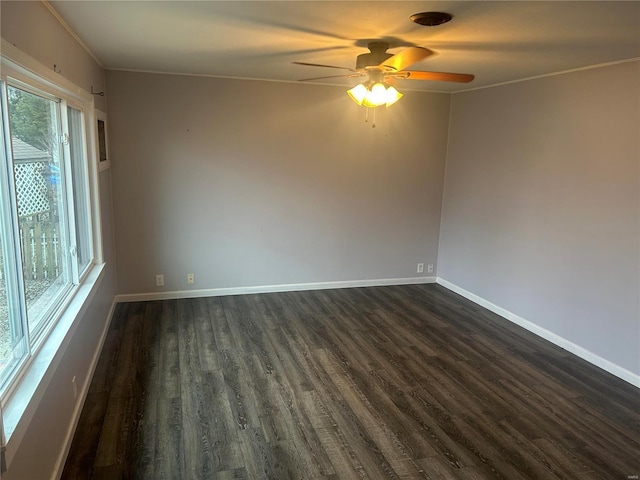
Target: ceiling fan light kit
(374,94)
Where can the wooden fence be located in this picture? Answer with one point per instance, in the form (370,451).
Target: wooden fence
(41,248)
(40,241)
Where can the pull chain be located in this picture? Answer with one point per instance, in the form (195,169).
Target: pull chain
(366,117)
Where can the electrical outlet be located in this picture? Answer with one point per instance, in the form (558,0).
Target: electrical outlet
(420,268)
(160,280)
(430,268)
(74,386)
(191,278)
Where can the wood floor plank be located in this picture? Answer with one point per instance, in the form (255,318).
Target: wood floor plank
(108,472)
(288,384)
(194,394)
(504,464)
(406,434)
(207,350)
(169,360)
(81,459)
(169,452)
(372,442)
(437,468)
(219,326)
(261,460)
(106,368)
(401,382)
(142,458)
(225,447)
(235,474)
(121,416)
(115,432)
(544,465)
(241,398)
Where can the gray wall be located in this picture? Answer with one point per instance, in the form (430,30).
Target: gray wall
(541,205)
(32,28)
(249,183)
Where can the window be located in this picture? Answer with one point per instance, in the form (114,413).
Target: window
(46,227)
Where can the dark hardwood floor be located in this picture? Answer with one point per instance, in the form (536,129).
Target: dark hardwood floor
(386,382)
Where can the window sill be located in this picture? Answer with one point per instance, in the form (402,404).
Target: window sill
(25,399)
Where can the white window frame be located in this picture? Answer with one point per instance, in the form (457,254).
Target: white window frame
(24,392)
(86,129)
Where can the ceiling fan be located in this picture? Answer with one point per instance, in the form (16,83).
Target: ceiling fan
(382,69)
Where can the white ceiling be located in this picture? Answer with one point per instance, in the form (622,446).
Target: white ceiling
(498,41)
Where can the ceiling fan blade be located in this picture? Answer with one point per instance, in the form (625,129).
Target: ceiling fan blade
(407,57)
(349,75)
(438,76)
(326,66)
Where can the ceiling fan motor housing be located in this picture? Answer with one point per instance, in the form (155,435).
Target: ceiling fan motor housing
(378,54)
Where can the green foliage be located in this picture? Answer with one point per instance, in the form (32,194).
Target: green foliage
(30,117)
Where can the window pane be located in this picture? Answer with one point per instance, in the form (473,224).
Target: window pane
(39,179)
(13,341)
(80,188)
(13,346)
(5,334)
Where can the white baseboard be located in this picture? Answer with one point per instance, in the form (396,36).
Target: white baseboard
(293,287)
(75,418)
(581,352)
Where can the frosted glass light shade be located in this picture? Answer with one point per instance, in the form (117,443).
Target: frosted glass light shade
(358,93)
(377,94)
(392,96)
(374,95)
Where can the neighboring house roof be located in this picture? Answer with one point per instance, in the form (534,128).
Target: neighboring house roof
(23,151)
